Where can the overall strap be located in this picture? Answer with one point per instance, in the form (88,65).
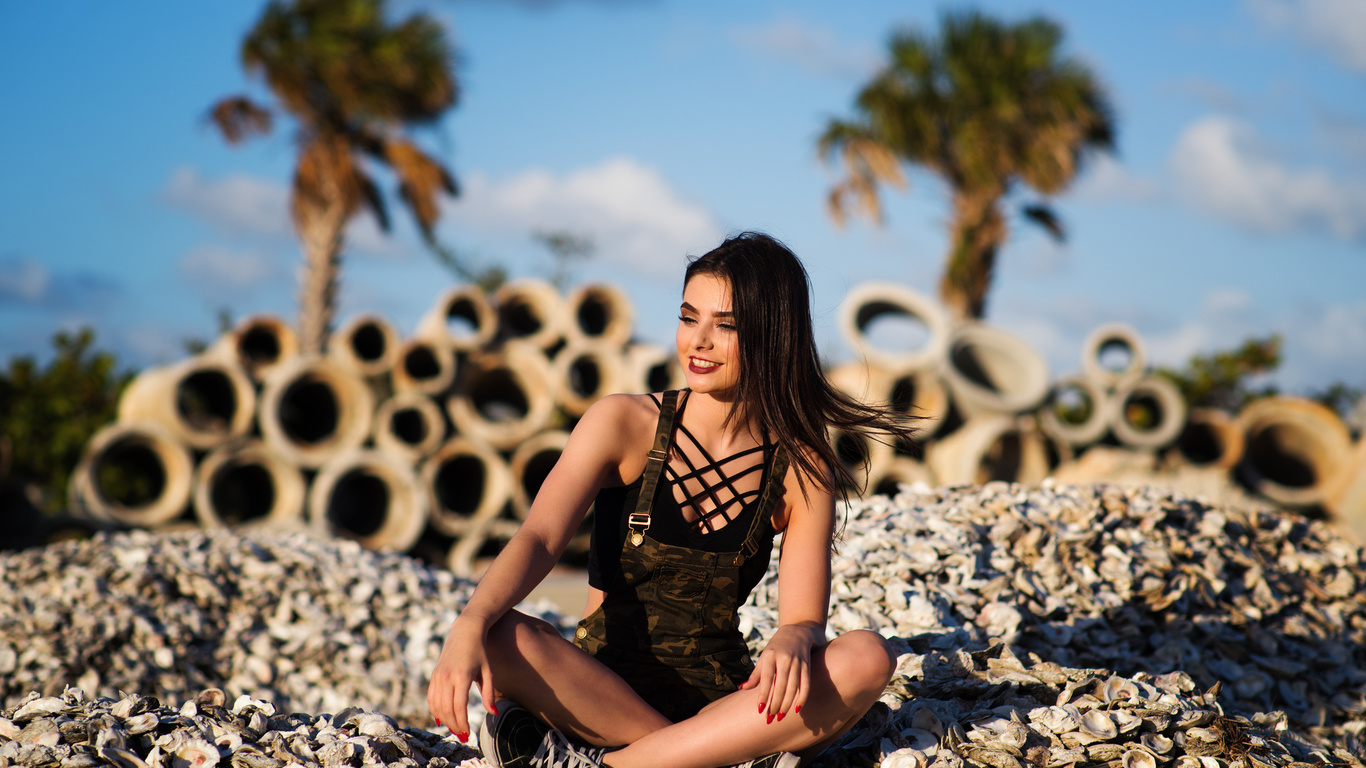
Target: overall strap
(639,521)
(773,494)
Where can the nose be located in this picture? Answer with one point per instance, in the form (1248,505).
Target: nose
(701,336)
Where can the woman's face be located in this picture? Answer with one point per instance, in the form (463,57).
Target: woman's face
(708,348)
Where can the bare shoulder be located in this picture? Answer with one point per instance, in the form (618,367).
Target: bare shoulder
(803,494)
(620,428)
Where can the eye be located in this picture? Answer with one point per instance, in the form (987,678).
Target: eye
(684,319)
(726,326)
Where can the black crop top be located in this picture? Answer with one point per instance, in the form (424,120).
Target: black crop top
(668,524)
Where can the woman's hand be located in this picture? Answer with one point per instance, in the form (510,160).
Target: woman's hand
(783,675)
(463,663)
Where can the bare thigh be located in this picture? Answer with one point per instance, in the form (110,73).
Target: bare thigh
(560,683)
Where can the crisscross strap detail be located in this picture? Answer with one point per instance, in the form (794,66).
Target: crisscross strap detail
(723,493)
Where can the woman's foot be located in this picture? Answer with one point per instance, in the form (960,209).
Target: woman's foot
(511,738)
(558,751)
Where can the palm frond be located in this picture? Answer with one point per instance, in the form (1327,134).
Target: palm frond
(238,117)
(1045,217)
(420,179)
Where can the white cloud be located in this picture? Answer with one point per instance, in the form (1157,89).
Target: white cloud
(23,280)
(814,49)
(1220,167)
(635,219)
(215,269)
(238,205)
(1337,25)
(1105,180)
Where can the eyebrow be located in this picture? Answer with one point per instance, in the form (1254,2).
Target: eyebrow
(723,313)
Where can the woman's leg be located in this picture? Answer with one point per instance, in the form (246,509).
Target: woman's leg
(847,677)
(559,683)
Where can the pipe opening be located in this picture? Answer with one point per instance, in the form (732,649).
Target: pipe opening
(369,343)
(903,394)
(259,346)
(1002,461)
(967,358)
(594,315)
(498,396)
(890,326)
(520,318)
(1115,355)
(1201,443)
(657,377)
(309,412)
(462,318)
(421,364)
(207,401)
(130,473)
(1143,411)
(537,469)
(1072,405)
(584,376)
(460,484)
(851,450)
(408,425)
(887,486)
(1283,455)
(359,503)
(242,493)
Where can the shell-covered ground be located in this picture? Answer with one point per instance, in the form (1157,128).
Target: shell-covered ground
(1045,626)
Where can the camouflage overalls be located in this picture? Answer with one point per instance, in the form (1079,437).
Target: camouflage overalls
(669,621)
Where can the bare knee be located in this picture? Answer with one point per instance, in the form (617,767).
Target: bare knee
(861,660)
(516,636)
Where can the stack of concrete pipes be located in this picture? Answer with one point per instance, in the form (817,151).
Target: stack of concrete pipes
(382,438)
(453,429)
(990,412)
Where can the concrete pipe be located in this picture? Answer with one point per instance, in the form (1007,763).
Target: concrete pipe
(1149,412)
(366,344)
(530,464)
(901,470)
(313,409)
(916,338)
(585,372)
(1347,501)
(1077,411)
(133,473)
(503,397)
(990,371)
(249,485)
(1211,438)
(206,400)
(531,311)
(371,497)
(259,343)
(918,393)
(1000,447)
(409,425)
(597,312)
(462,317)
(425,366)
(1296,450)
(864,456)
(1111,353)
(468,483)
(650,368)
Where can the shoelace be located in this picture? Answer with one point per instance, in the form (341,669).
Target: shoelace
(557,751)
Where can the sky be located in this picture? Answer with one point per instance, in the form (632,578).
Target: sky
(1234,207)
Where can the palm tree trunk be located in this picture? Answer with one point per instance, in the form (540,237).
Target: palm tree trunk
(320,231)
(977,232)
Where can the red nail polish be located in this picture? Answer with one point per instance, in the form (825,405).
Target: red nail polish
(770,718)
(438,721)
(493,710)
(780,716)
(464,737)
(798,710)
(761,706)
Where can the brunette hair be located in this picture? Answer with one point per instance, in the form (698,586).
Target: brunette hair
(781,383)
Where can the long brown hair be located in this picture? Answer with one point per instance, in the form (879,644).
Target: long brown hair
(781,383)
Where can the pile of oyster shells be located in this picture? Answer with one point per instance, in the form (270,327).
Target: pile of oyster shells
(1044,626)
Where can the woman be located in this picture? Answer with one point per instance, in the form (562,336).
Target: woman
(658,674)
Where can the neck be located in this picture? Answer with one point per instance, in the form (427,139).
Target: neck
(711,411)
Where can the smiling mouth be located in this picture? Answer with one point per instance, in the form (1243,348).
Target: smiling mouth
(699,365)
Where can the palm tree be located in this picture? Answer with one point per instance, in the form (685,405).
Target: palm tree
(351,81)
(986,106)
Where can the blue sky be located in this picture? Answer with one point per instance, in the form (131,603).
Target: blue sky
(1236,205)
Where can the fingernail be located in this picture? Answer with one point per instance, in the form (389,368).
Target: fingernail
(798,710)
(770,718)
(493,710)
(761,706)
(464,737)
(438,721)
(780,716)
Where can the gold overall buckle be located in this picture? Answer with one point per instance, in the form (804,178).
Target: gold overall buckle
(641,519)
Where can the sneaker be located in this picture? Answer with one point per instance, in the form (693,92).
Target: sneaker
(775,760)
(511,738)
(557,751)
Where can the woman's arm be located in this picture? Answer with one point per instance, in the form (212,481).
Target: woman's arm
(783,674)
(592,458)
